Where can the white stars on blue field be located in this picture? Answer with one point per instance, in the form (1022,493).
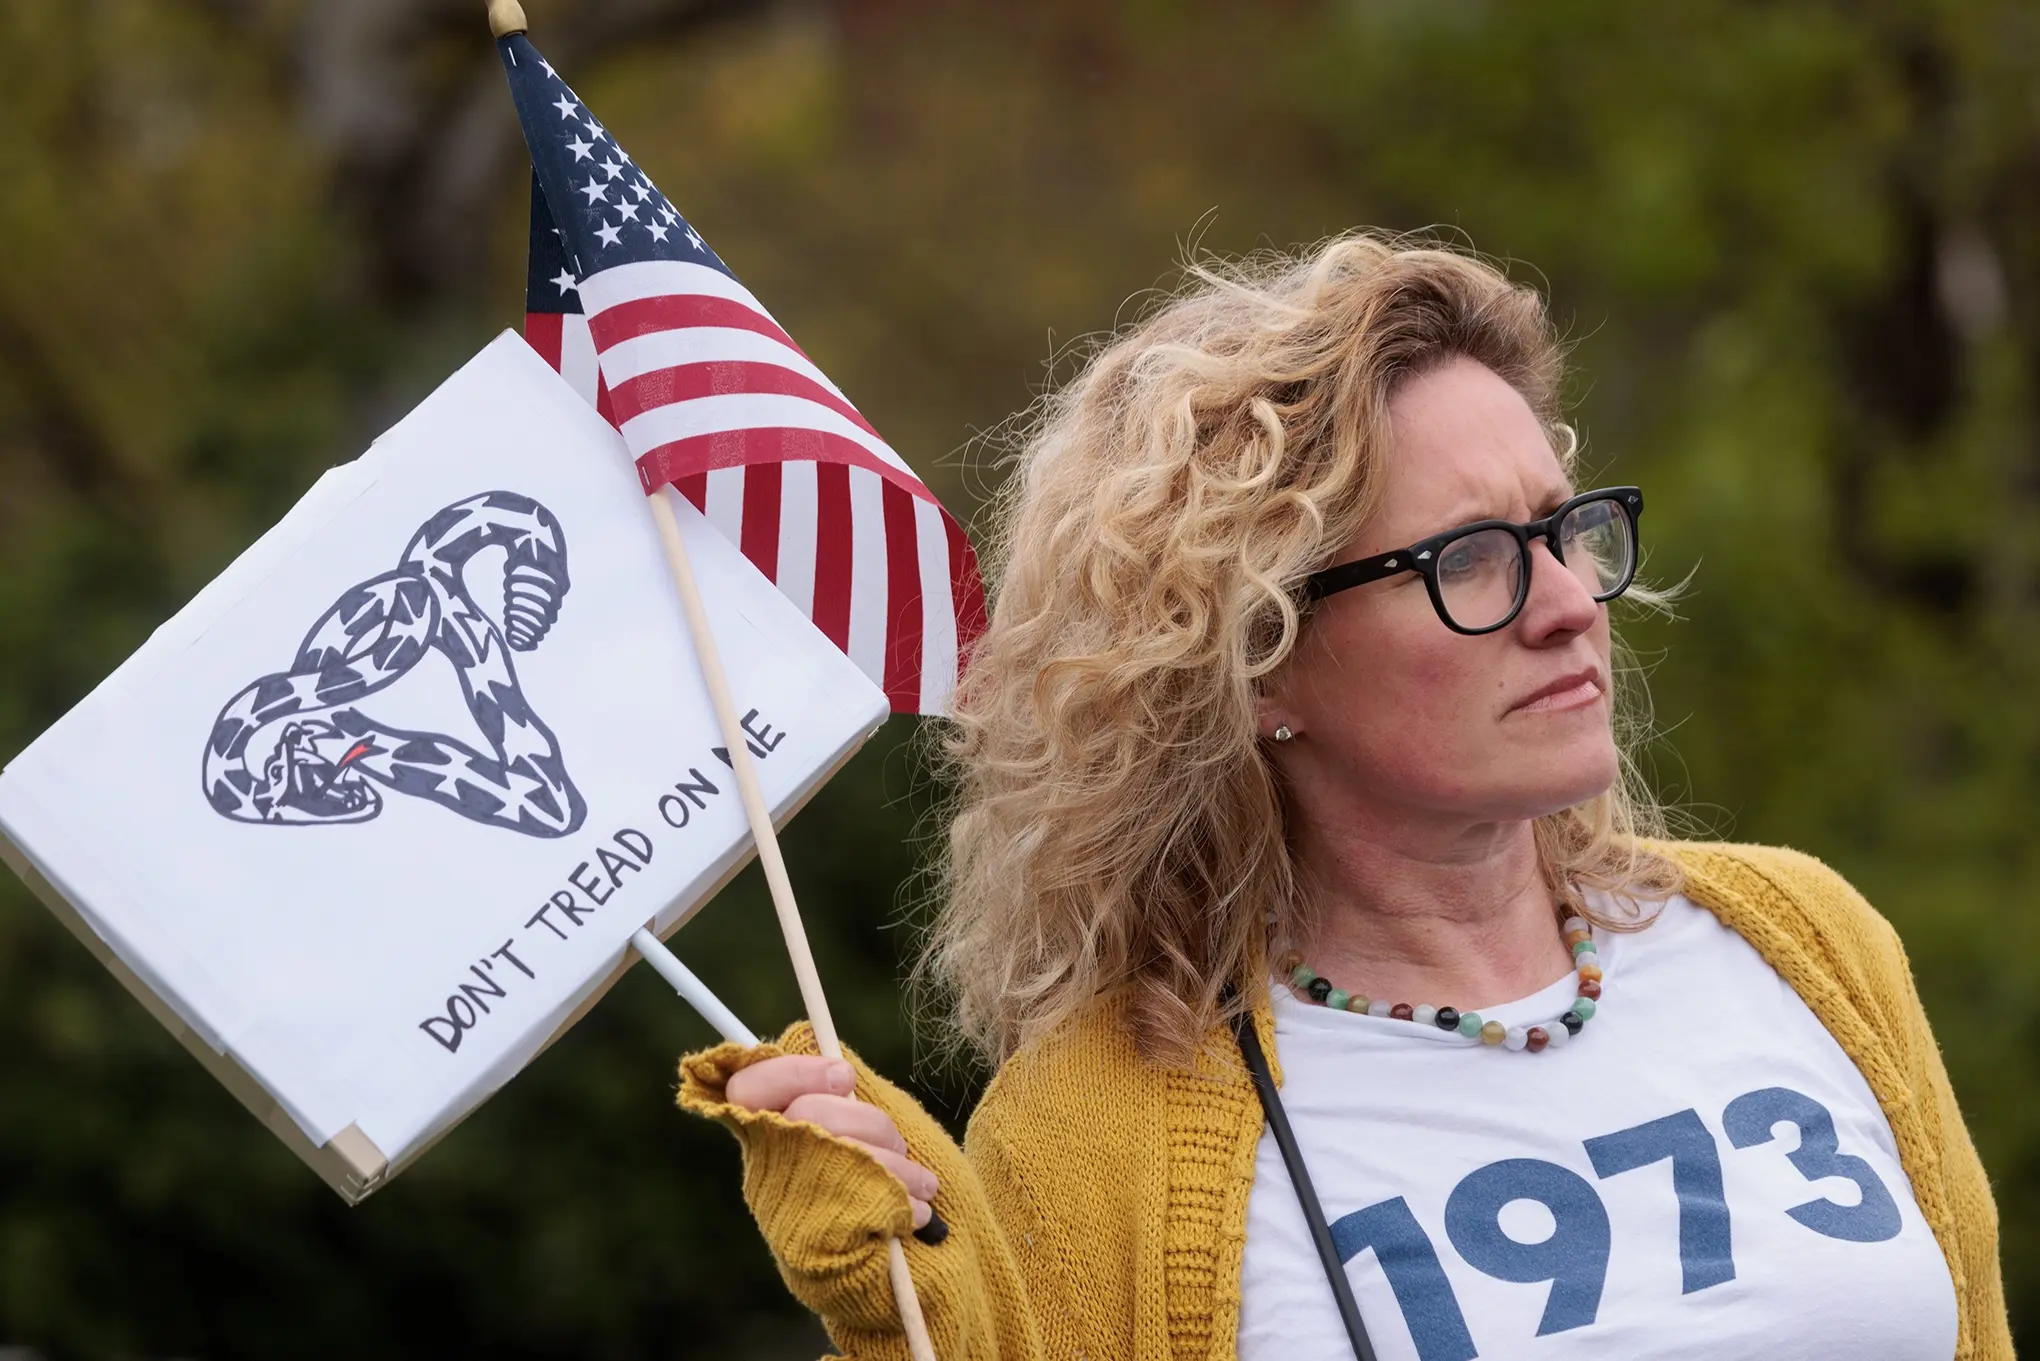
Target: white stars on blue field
(607,209)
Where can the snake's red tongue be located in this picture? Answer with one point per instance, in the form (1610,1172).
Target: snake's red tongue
(358,749)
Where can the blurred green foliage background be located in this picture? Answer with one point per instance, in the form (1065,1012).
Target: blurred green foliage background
(1797,245)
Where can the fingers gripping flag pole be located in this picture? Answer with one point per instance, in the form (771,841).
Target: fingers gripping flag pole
(715,401)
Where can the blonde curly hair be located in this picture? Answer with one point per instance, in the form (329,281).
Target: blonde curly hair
(1116,828)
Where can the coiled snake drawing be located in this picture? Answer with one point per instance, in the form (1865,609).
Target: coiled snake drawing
(292,748)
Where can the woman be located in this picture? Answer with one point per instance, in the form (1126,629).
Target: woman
(1298,704)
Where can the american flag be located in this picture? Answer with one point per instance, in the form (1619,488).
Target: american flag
(713,397)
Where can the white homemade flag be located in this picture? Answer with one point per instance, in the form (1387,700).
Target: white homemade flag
(372,818)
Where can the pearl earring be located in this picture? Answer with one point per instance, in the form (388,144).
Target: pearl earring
(1283,734)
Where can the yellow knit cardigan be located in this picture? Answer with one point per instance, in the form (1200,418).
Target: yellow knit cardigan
(1098,1207)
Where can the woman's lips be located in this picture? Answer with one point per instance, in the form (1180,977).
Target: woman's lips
(1577,695)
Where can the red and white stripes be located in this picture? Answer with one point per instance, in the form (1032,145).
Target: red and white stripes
(716,400)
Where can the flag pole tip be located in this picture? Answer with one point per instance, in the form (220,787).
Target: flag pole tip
(506,17)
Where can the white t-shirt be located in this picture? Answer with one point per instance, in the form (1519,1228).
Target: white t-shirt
(1701,1173)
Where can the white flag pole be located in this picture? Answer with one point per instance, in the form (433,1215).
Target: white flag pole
(919,1344)
(692,990)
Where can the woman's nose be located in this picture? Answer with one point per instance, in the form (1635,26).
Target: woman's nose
(1559,601)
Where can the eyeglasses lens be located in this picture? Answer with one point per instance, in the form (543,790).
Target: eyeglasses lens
(1599,546)
(1479,576)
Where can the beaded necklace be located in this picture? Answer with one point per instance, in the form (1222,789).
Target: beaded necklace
(1579,938)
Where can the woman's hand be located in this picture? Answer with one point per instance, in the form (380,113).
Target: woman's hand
(817,1090)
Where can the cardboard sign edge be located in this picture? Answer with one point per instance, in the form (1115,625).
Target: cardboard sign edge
(349,1162)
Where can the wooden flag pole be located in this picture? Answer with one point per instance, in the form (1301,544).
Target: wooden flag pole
(505,18)
(746,772)
(790,925)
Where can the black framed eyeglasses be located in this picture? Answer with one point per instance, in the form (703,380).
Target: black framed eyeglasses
(1479,574)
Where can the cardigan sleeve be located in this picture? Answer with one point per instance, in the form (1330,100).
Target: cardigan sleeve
(1980,1277)
(826,1209)
(1851,950)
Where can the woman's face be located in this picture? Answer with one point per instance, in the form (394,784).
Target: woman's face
(1398,716)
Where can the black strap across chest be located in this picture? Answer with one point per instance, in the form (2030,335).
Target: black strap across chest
(1299,1176)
